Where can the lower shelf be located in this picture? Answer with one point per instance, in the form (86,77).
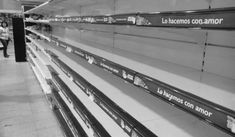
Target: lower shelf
(75,129)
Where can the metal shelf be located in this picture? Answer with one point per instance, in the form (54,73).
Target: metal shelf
(206,110)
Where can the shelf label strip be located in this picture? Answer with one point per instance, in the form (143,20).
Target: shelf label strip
(220,18)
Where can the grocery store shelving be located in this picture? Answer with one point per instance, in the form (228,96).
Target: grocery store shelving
(102,117)
(112,93)
(40,70)
(38,21)
(35,42)
(105,55)
(194,87)
(39,34)
(38,73)
(177,79)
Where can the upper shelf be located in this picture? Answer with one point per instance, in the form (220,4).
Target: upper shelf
(223,18)
(55,5)
(37,21)
(11,11)
(220,18)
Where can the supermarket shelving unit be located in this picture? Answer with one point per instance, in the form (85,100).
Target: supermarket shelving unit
(111,60)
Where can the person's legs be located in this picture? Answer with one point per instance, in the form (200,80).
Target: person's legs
(7,41)
(5,44)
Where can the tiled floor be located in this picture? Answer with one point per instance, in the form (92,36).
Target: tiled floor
(24,111)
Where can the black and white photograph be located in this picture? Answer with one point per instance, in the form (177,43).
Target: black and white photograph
(117,68)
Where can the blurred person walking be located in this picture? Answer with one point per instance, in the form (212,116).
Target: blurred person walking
(4,37)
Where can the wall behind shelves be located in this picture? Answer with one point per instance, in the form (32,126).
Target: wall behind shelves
(186,54)
(221,3)
(183,47)
(123,6)
(100,7)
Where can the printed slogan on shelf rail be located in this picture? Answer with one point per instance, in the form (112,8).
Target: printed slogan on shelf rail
(199,21)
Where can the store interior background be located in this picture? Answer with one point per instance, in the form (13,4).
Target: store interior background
(184,58)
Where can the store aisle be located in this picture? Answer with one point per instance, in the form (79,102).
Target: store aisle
(24,111)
